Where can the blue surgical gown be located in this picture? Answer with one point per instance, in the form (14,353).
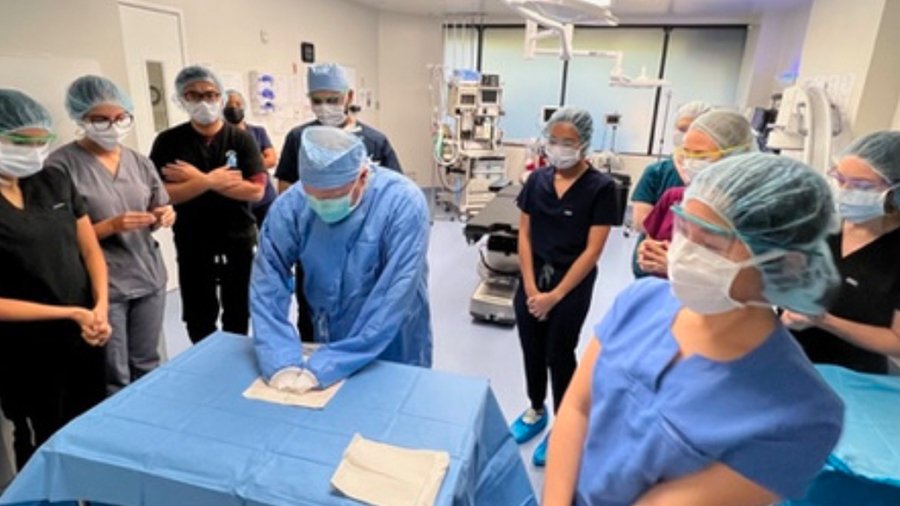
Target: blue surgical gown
(365,279)
(768,415)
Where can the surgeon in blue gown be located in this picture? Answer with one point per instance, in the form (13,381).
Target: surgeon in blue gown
(360,233)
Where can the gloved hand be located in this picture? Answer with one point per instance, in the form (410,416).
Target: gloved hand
(294,380)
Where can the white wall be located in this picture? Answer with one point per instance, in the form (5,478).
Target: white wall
(774,43)
(858,38)
(67,35)
(407,44)
(226,35)
(896,124)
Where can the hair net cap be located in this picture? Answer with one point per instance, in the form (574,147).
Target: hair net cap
(194,73)
(326,77)
(330,157)
(775,203)
(578,118)
(692,110)
(89,91)
(728,129)
(881,151)
(18,111)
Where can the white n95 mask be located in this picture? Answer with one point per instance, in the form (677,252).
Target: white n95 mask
(330,114)
(693,166)
(204,113)
(107,139)
(701,279)
(562,157)
(19,162)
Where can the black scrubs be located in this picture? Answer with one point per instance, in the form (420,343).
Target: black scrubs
(869,294)
(215,236)
(48,373)
(559,234)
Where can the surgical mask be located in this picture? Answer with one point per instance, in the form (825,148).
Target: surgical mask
(234,115)
(330,114)
(859,206)
(693,166)
(563,157)
(701,279)
(108,138)
(332,210)
(19,162)
(204,113)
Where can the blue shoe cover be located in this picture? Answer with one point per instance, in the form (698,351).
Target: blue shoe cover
(523,431)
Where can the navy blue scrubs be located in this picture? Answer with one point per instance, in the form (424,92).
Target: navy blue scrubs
(559,234)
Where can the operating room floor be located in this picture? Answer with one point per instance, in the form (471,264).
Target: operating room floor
(466,347)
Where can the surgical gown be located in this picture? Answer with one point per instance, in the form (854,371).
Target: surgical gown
(768,415)
(365,280)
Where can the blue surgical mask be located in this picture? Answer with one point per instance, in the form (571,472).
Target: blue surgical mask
(331,210)
(859,206)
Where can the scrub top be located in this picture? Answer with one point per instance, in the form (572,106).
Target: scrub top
(869,294)
(377,145)
(210,217)
(657,178)
(560,226)
(660,223)
(261,137)
(39,252)
(135,265)
(767,415)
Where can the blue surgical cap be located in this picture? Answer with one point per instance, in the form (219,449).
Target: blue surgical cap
(88,92)
(326,77)
(728,129)
(18,111)
(776,204)
(881,151)
(195,73)
(330,157)
(578,118)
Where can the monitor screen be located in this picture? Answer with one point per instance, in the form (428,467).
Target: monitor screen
(490,97)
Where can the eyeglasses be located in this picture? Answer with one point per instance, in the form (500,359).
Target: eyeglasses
(103,123)
(568,143)
(327,100)
(27,140)
(209,96)
(713,237)
(715,154)
(855,183)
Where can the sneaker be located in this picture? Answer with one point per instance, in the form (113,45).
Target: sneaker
(539,458)
(529,424)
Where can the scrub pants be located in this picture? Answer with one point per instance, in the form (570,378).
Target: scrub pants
(215,277)
(45,382)
(551,343)
(133,348)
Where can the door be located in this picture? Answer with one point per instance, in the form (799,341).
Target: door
(154,54)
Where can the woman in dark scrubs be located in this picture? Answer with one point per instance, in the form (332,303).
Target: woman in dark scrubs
(863,326)
(53,301)
(567,211)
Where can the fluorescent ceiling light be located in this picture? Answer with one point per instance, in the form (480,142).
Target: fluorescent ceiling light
(578,12)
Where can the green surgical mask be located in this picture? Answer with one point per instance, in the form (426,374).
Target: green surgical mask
(331,210)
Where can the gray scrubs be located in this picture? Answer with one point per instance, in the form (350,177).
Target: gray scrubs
(137,276)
